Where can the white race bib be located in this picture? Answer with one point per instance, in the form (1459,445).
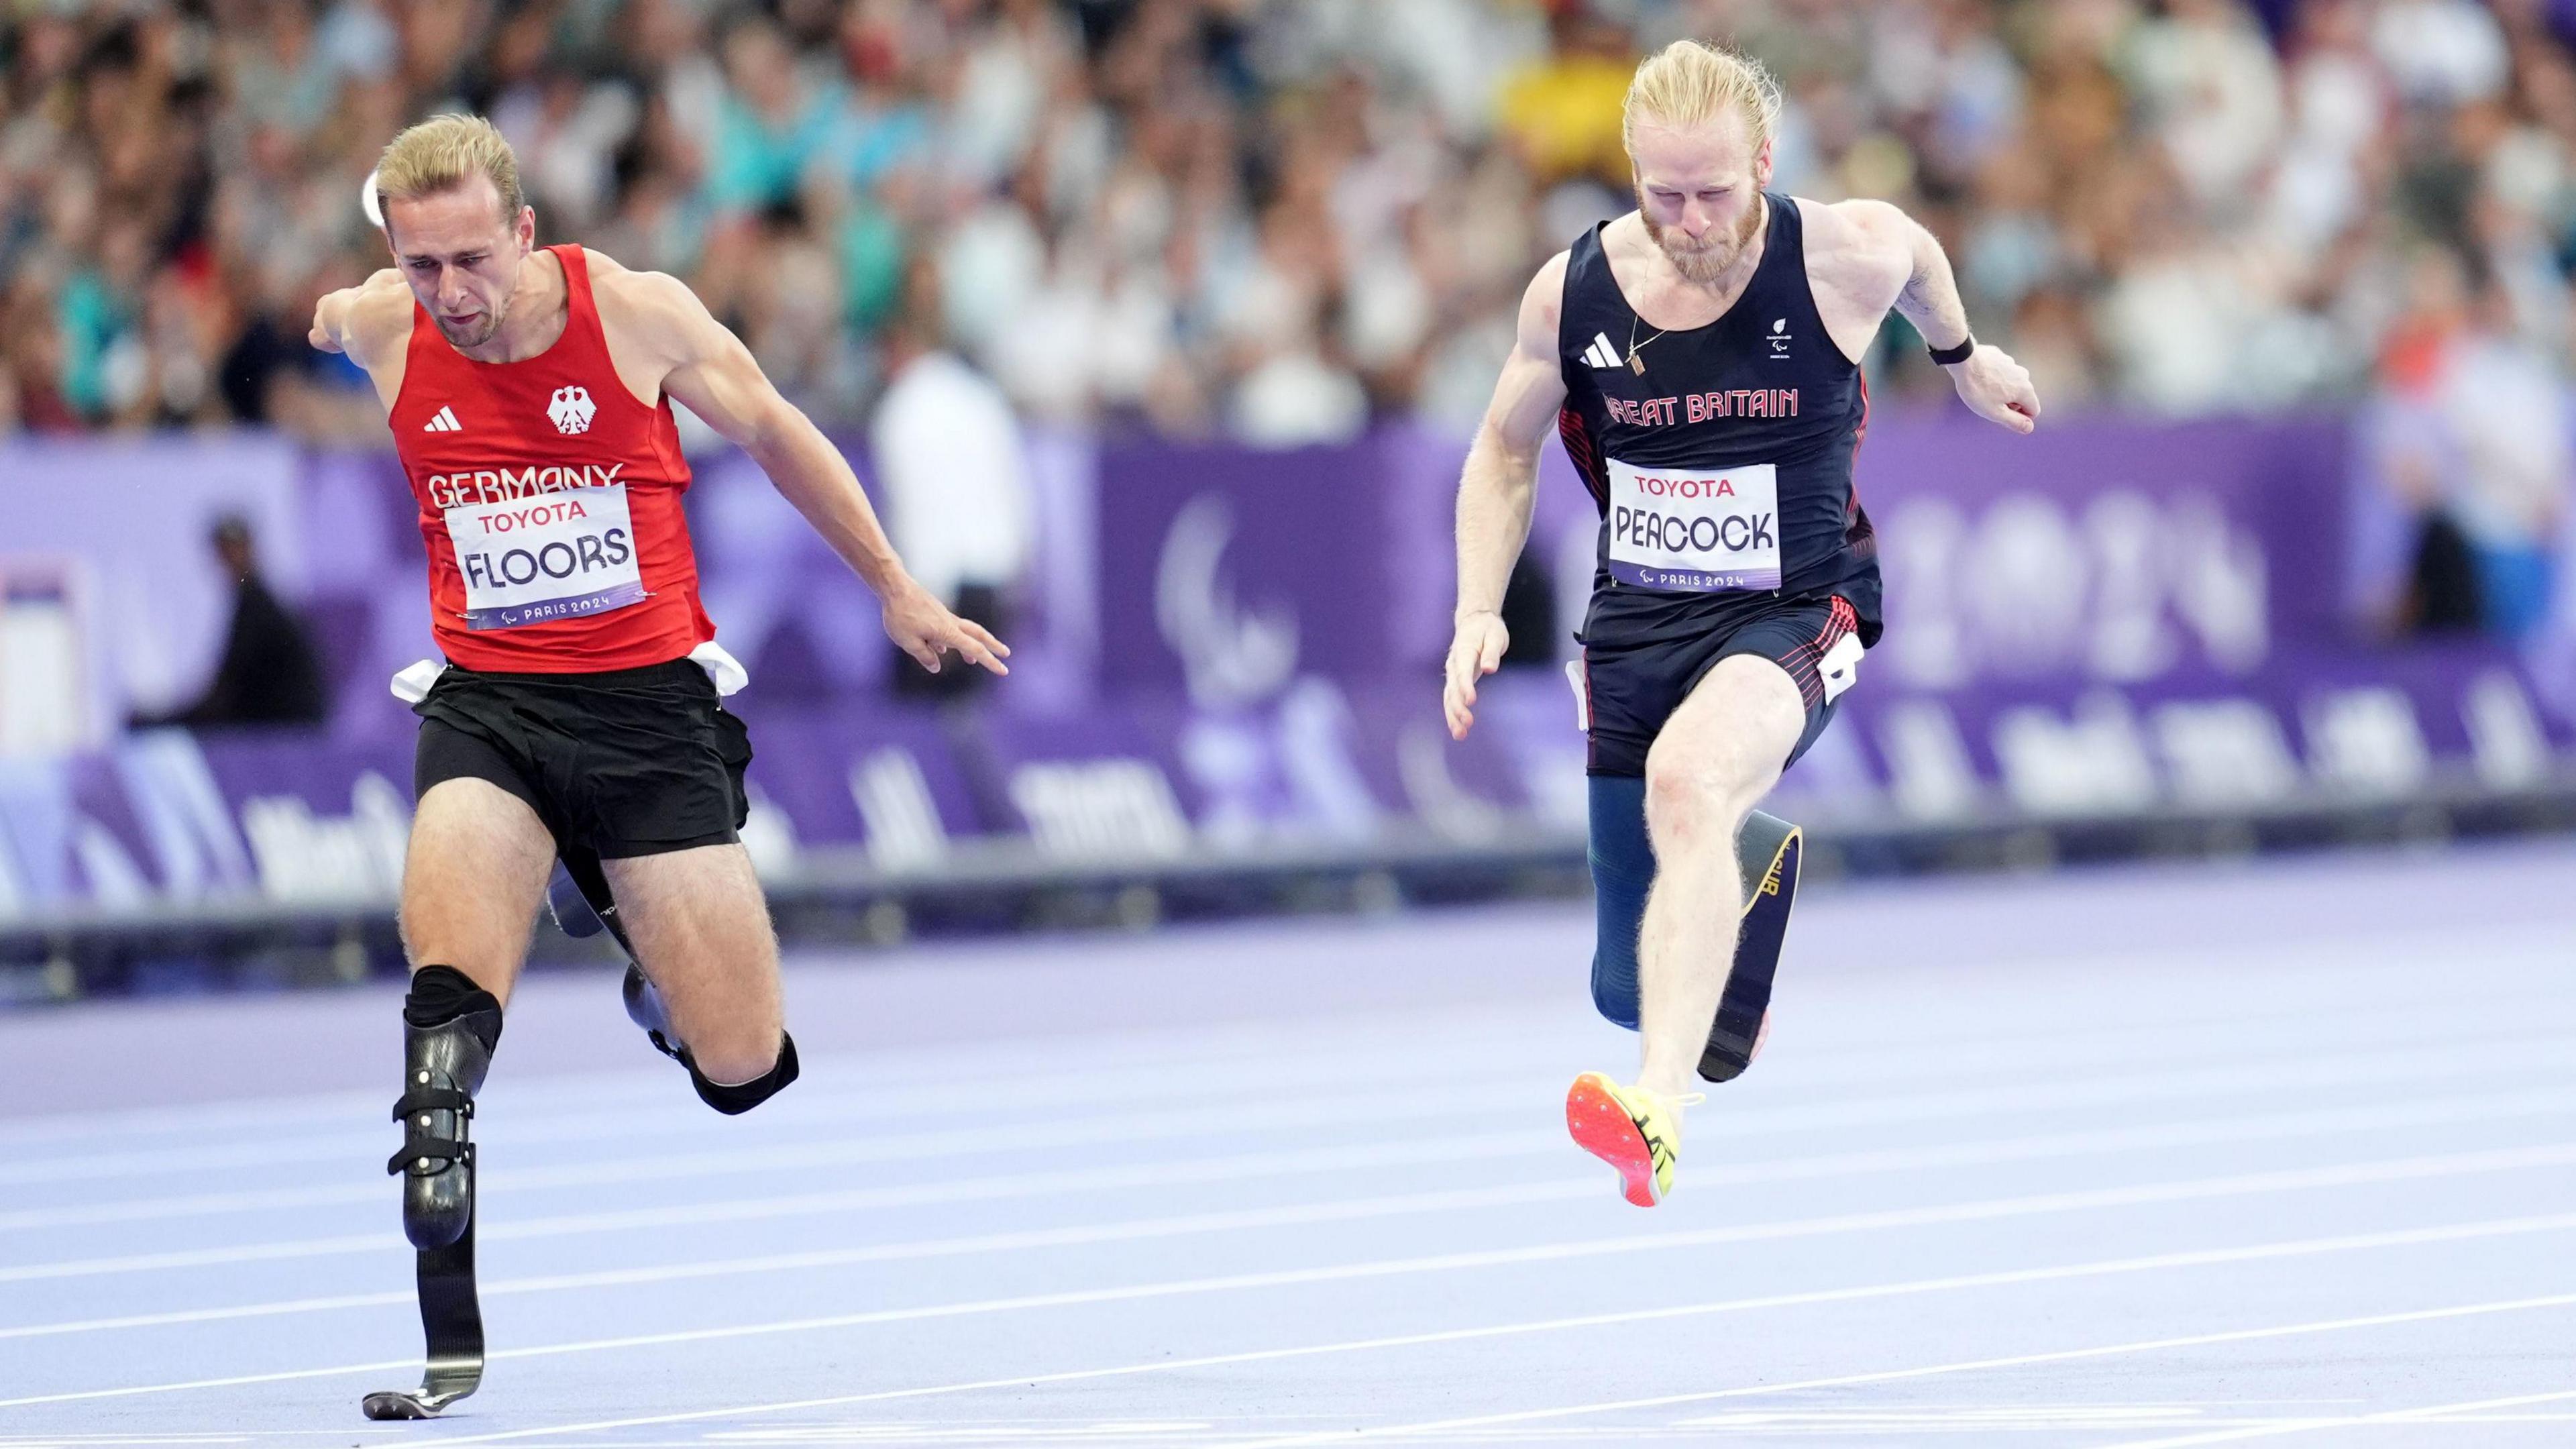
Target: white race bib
(546,557)
(1695,530)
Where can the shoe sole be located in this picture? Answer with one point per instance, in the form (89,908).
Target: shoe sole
(1603,1128)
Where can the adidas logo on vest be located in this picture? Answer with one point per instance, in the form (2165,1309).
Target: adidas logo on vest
(445,422)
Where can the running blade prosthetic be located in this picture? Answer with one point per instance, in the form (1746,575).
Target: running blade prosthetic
(452,1319)
(1766,852)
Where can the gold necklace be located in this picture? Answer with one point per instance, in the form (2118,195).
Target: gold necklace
(1637,364)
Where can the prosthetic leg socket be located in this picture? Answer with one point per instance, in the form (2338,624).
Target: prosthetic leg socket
(450,1027)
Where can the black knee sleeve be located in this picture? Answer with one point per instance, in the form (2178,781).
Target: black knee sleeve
(442,994)
(735,1100)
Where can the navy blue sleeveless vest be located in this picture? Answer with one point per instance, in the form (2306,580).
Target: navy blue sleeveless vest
(1759,406)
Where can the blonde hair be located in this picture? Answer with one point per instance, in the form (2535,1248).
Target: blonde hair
(1690,81)
(443,152)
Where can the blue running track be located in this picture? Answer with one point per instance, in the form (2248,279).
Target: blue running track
(2169,1156)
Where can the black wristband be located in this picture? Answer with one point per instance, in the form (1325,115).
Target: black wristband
(1948,355)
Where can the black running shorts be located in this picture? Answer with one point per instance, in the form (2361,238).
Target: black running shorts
(1632,687)
(621,763)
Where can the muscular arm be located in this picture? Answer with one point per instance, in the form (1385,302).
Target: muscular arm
(1928,297)
(1497,489)
(371,322)
(1869,258)
(714,375)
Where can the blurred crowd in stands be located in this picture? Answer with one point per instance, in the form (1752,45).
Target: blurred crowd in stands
(1277,219)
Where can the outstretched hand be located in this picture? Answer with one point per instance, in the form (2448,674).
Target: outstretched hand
(321,336)
(923,627)
(1474,652)
(1997,389)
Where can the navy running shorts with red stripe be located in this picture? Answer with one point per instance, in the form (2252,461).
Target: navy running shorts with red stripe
(1632,687)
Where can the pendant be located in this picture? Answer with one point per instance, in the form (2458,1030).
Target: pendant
(1636,364)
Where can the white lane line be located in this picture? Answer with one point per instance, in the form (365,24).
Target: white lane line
(590,1107)
(906,1101)
(1238,1220)
(2015,1098)
(1400,1153)
(2201,1258)
(1231,1168)
(946,1141)
(2243,1185)
(2429,1414)
(2064,1355)
(2493,995)
(904,1105)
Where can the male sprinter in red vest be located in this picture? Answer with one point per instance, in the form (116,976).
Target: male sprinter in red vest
(530,391)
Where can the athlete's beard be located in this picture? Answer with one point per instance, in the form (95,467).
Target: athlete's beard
(487,328)
(1704,261)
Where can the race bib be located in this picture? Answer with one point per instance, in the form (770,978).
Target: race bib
(552,556)
(1695,530)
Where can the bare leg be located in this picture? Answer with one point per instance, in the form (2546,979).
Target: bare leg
(702,936)
(476,869)
(1713,761)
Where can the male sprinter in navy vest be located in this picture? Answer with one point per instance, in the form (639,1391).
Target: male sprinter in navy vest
(1699,357)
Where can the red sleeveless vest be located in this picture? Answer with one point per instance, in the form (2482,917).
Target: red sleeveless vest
(550,500)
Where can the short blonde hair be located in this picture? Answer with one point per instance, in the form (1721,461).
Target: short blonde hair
(1691,81)
(441,153)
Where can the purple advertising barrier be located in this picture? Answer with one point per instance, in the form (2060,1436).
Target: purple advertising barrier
(1474,791)
(1529,716)
(2314,723)
(309,819)
(1151,772)
(144,823)
(2105,550)
(1230,572)
(168,818)
(2105,617)
(889,780)
(324,825)
(1109,782)
(2096,548)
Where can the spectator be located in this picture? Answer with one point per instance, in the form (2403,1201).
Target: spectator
(774,121)
(2211,86)
(953,475)
(1274,217)
(2475,444)
(1563,113)
(2504,408)
(269,673)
